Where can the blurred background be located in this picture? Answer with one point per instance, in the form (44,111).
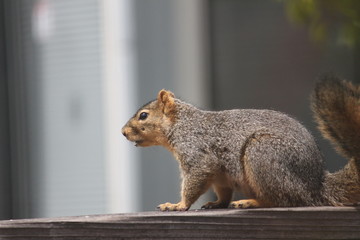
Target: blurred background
(73,71)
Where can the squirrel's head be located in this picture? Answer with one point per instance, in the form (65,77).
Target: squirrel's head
(150,124)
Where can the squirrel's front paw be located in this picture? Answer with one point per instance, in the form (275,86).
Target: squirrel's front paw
(172,207)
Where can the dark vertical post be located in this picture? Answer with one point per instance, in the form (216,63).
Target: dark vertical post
(5,158)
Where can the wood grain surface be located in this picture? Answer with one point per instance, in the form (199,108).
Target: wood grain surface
(272,223)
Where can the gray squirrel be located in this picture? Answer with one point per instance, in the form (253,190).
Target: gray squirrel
(268,156)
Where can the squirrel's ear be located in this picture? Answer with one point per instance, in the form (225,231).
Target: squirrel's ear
(166,100)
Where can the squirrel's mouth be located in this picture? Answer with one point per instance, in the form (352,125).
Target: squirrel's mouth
(138,143)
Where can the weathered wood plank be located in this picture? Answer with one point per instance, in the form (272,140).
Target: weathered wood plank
(274,223)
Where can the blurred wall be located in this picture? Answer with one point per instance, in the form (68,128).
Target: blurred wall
(73,71)
(55,92)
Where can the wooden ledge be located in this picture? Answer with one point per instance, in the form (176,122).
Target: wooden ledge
(272,223)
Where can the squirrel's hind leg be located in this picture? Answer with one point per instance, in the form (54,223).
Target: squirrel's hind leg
(247,203)
(273,169)
(250,185)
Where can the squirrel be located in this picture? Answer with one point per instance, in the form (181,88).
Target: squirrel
(268,156)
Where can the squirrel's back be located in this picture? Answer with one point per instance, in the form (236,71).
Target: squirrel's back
(234,127)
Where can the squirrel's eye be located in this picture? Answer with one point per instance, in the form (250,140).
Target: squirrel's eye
(143,115)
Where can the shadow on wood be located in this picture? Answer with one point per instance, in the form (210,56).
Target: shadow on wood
(272,223)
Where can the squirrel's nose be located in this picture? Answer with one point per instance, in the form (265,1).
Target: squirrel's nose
(124,132)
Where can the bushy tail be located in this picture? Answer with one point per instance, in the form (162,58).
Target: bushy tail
(336,106)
